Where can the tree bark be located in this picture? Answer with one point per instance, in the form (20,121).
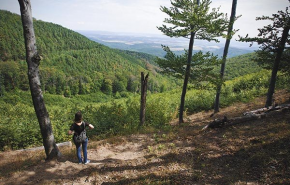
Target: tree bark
(33,61)
(144,82)
(187,73)
(226,49)
(186,77)
(271,89)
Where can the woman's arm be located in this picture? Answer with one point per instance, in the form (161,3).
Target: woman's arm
(70,132)
(91,126)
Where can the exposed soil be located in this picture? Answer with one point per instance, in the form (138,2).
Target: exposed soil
(255,152)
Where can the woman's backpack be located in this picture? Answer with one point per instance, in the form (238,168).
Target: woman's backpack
(82,136)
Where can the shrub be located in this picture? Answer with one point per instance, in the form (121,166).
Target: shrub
(20,129)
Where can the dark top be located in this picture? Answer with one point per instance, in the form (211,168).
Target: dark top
(78,129)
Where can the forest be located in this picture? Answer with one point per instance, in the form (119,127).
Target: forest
(72,64)
(208,119)
(79,74)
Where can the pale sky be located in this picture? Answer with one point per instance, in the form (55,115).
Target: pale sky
(136,16)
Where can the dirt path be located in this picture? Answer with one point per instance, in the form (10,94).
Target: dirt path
(185,155)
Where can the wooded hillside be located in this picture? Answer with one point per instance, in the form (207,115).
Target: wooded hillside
(239,66)
(72,64)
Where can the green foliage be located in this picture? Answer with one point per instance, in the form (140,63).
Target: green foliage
(71,63)
(239,66)
(110,118)
(20,129)
(273,39)
(13,75)
(19,126)
(160,109)
(193,20)
(188,16)
(265,59)
(202,65)
(269,40)
(247,82)
(197,100)
(87,74)
(172,64)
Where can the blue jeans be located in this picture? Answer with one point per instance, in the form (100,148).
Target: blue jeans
(79,151)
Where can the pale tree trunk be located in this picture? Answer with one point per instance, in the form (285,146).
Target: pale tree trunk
(33,61)
(144,84)
(271,89)
(226,49)
(249,116)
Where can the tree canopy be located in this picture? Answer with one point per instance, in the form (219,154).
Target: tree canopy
(186,16)
(201,69)
(194,20)
(273,39)
(269,40)
(71,63)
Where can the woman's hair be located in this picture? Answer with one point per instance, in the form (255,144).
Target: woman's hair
(78,116)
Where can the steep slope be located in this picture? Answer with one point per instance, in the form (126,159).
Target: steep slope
(71,62)
(49,37)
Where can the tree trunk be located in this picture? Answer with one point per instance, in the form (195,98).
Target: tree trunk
(186,77)
(144,82)
(187,74)
(271,89)
(33,61)
(226,49)
(249,116)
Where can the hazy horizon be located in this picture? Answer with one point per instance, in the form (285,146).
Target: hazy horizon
(135,16)
(124,36)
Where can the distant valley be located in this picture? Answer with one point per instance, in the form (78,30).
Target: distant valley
(76,64)
(151,44)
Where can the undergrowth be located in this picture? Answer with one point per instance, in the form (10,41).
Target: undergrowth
(254,152)
(20,128)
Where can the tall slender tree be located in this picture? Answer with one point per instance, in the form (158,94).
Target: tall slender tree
(193,20)
(226,49)
(272,40)
(33,61)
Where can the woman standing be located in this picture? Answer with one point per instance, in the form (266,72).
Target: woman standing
(78,129)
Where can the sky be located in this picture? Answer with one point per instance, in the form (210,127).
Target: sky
(137,16)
